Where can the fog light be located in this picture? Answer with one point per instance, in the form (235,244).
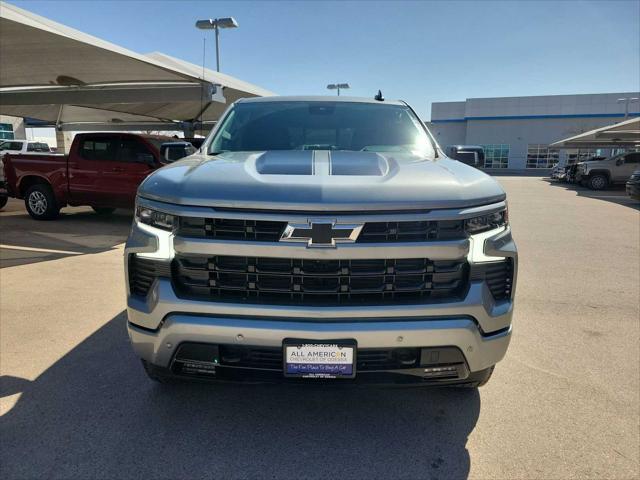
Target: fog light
(434,372)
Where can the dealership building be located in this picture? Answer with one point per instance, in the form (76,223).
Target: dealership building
(516,131)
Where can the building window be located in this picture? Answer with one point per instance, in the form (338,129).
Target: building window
(496,156)
(6,131)
(580,155)
(541,156)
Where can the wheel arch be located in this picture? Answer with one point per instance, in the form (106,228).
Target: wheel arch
(29,181)
(604,172)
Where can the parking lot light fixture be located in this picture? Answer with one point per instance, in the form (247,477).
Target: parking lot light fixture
(216,24)
(338,86)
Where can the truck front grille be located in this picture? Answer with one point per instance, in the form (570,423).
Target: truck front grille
(420,231)
(231,229)
(271,231)
(320,282)
(271,358)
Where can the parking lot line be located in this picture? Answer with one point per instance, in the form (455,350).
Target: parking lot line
(43,250)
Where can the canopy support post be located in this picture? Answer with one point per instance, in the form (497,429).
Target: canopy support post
(61,140)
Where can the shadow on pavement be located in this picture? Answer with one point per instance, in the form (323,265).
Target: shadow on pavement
(615,194)
(94,414)
(78,231)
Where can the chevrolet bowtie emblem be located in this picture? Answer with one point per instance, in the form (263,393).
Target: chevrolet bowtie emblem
(321,233)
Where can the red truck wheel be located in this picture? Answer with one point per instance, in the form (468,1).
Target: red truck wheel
(41,203)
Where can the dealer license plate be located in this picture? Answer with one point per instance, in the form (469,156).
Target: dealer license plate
(319,359)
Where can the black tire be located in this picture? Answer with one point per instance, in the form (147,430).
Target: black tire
(103,210)
(41,203)
(598,181)
(3,201)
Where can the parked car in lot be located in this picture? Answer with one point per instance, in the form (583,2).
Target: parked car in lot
(321,238)
(559,172)
(598,173)
(16,147)
(23,146)
(633,185)
(102,170)
(468,154)
(570,171)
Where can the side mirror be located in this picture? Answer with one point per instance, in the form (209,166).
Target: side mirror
(619,162)
(146,158)
(468,158)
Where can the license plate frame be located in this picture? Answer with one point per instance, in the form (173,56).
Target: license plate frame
(347,370)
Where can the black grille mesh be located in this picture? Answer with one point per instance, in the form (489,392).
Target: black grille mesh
(230,229)
(383,232)
(271,358)
(301,281)
(268,231)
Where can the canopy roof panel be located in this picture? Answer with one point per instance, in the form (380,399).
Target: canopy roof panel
(61,55)
(211,76)
(621,134)
(233,88)
(44,65)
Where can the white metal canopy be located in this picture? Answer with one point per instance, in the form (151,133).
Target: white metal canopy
(60,75)
(623,134)
(233,88)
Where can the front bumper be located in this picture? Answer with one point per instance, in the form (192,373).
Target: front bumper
(633,189)
(478,325)
(480,351)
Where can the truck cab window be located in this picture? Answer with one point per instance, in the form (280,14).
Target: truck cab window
(10,146)
(132,151)
(632,158)
(37,147)
(98,149)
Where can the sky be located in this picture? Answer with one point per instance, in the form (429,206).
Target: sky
(419,51)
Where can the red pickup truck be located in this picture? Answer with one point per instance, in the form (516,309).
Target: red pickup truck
(102,170)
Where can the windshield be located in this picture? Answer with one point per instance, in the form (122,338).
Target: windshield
(299,125)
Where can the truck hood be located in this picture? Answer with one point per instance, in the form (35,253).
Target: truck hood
(321,181)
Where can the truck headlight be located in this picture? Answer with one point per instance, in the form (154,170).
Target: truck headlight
(155,218)
(487,222)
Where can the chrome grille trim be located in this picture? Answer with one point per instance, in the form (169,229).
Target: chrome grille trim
(441,250)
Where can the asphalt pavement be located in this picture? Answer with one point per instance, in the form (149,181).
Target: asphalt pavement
(564,403)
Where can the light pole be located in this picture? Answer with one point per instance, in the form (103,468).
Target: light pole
(216,24)
(626,102)
(338,86)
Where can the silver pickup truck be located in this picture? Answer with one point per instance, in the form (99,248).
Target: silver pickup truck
(320,239)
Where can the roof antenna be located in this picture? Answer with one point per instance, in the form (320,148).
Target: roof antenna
(379,96)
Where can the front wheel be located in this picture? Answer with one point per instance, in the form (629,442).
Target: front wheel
(41,203)
(598,182)
(3,201)
(103,210)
